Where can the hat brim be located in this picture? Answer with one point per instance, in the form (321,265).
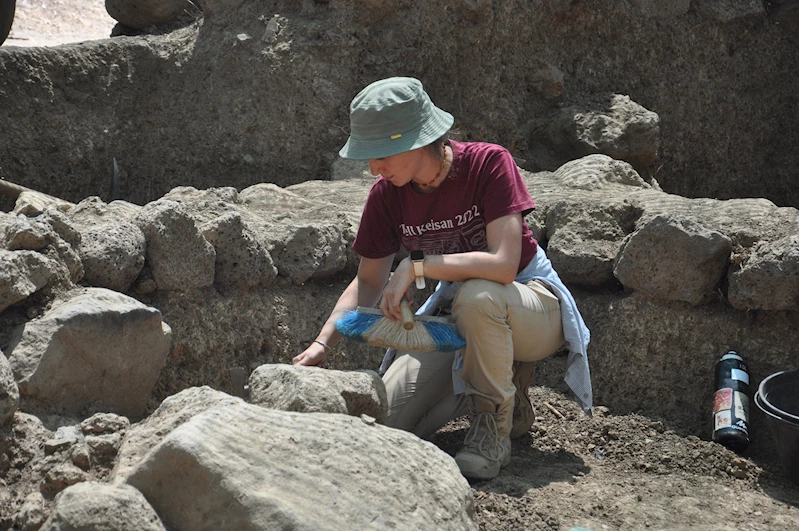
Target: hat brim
(434,128)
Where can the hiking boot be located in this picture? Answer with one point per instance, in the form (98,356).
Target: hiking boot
(486,448)
(523,412)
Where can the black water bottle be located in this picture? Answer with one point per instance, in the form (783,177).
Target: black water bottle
(731,403)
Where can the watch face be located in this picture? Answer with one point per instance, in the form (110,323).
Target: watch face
(417,255)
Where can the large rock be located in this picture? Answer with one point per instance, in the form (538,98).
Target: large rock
(94,506)
(31,515)
(52,235)
(205,205)
(307,239)
(243,258)
(768,279)
(23,273)
(94,210)
(672,259)
(610,124)
(312,251)
(249,468)
(179,256)
(598,172)
(173,411)
(61,225)
(61,476)
(102,423)
(112,254)
(98,347)
(31,203)
(112,246)
(242,261)
(25,234)
(349,196)
(9,391)
(584,237)
(316,390)
(142,14)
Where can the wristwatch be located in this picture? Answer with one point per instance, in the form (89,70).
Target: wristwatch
(417,258)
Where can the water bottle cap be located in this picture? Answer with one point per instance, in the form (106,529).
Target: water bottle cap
(731,355)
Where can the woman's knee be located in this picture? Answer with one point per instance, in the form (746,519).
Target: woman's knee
(478,296)
(415,382)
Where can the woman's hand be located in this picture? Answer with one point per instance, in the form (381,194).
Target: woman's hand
(316,354)
(398,288)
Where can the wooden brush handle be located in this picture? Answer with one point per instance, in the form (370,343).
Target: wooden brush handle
(407,315)
(10,189)
(37,200)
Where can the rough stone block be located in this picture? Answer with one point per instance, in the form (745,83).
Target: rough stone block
(672,259)
(113,254)
(179,257)
(143,14)
(609,124)
(246,467)
(316,390)
(306,238)
(173,411)
(94,506)
(242,261)
(97,346)
(23,273)
(769,278)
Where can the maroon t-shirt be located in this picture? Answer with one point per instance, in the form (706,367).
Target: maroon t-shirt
(484,184)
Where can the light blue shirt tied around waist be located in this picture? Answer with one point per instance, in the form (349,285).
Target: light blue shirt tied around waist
(577,335)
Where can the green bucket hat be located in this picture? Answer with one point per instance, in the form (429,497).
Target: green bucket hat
(392,116)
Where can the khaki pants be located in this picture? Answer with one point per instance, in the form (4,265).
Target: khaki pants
(501,323)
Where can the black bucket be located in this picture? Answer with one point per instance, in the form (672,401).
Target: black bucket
(786,435)
(780,394)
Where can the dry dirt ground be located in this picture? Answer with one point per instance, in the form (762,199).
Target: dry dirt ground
(603,473)
(624,472)
(54,22)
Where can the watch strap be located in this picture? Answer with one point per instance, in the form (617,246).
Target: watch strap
(417,259)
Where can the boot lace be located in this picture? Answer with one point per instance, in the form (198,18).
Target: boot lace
(483,437)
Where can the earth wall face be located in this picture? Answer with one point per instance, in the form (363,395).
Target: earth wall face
(654,358)
(259,92)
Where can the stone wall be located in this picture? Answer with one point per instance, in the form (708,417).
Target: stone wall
(666,284)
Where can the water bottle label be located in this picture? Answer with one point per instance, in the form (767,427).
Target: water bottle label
(722,400)
(741,426)
(738,374)
(723,420)
(741,406)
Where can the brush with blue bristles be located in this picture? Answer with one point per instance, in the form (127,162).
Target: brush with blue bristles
(420,333)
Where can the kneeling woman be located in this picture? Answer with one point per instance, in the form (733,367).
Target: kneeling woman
(459,207)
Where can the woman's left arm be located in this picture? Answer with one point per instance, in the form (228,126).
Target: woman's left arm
(500,263)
